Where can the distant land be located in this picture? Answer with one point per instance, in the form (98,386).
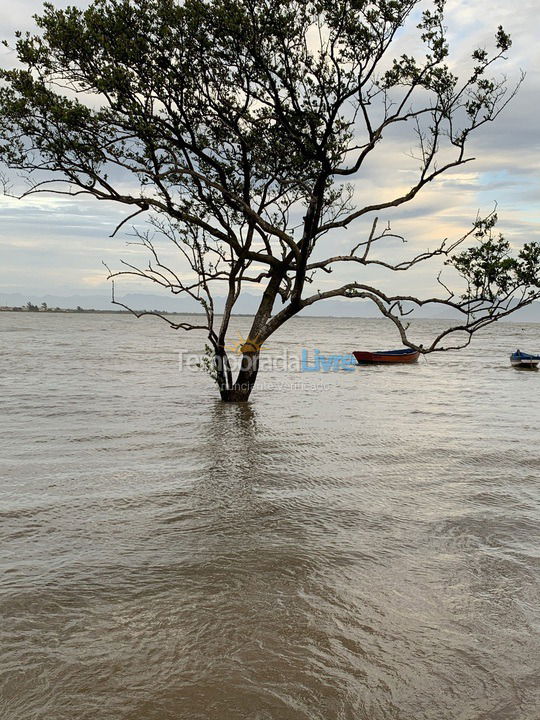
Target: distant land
(246,305)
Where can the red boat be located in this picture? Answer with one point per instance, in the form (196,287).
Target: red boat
(408,355)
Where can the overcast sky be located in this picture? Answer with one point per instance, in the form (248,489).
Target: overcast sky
(57,246)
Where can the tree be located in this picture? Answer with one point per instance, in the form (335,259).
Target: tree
(238,126)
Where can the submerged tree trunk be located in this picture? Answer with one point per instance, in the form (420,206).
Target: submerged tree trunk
(247,375)
(240,390)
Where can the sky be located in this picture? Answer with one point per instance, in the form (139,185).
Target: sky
(58,246)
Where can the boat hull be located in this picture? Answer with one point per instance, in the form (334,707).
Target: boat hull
(388,357)
(524,361)
(525,364)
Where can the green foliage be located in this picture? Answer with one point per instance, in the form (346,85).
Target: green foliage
(232,84)
(504,42)
(208,363)
(492,271)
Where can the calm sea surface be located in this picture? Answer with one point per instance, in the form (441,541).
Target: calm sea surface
(363,546)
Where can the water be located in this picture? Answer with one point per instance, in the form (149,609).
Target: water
(367,551)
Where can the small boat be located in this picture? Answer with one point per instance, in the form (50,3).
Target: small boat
(407,355)
(524,361)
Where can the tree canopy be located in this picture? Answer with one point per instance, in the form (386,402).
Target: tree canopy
(237,127)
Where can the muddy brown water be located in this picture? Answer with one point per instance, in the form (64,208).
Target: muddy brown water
(348,546)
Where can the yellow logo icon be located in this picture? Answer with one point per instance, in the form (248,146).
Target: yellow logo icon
(249,345)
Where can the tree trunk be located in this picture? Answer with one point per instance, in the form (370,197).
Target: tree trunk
(241,390)
(222,369)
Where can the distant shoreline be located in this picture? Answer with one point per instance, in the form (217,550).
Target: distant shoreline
(86,311)
(73,310)
(175,313)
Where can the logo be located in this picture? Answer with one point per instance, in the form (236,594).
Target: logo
(327,363)
(250,345)
(245,351)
